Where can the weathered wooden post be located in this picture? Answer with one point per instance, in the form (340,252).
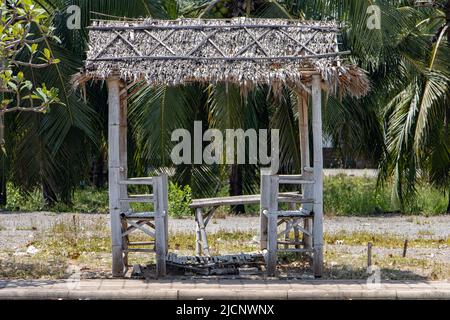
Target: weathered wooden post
(115,174)
(160,218)
(272,223)
(264,205)
(307,189)
(318,175)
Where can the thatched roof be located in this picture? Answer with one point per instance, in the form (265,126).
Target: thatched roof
(242,51)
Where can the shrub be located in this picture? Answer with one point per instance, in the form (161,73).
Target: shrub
(179,200)
(18,200)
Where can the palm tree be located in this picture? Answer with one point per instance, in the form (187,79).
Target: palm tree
(400,55)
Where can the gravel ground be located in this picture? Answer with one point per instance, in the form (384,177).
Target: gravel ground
(16,229)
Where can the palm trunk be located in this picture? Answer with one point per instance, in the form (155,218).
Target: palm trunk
(447,110)
(49,195)
(98,177)
(448,205)
(236,187)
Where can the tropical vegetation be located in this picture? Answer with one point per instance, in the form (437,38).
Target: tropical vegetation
(401,127)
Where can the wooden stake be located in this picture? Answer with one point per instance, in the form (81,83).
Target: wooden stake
(369,254)
(405,247)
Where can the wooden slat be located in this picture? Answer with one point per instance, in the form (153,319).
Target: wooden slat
(235,200)
(295,179)
(295,250)
(137,181)
(141,243)
(139,215)
(140,250)
(138,198)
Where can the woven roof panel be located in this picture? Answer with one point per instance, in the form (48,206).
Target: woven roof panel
(243,51)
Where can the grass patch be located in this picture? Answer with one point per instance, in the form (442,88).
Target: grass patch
(344,195)
(340,265)
(382,239)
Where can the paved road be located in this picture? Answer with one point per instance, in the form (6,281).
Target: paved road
(221,289)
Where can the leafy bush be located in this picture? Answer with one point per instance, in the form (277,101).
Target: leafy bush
(179,200)
(21,201)
(355,196)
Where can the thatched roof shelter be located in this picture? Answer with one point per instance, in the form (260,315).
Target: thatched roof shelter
(243,51)
(247,52)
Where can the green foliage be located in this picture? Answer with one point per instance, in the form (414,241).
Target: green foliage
(354,196)
(179,200)
(91,200)
(360,196)
(24,43)
(342,196)
(21,201)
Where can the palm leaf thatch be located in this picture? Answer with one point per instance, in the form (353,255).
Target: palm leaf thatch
(243,51)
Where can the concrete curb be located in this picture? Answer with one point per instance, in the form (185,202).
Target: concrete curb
(220,294)
(221,289)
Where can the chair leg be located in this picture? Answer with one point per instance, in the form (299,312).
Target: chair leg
(160,246)
(198,235)
(125,242)
(204,238)
(272,244)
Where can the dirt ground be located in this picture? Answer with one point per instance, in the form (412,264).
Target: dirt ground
(345,250)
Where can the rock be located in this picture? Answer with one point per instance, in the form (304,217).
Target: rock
(32,250)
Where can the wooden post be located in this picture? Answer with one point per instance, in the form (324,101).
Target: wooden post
(123,155)
(198,235)
(264,205)
(114,175)
(272,239)
(201,225)
(405,248)
(369,254)
(302,107)
(318,176)
(165,188)
(160,228)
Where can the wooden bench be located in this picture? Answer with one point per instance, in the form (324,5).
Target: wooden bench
(202,220)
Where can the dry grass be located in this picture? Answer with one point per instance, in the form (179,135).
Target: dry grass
(70,243)
(384,239)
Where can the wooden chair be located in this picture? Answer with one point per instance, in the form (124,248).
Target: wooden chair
(152,223)
(276,224)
